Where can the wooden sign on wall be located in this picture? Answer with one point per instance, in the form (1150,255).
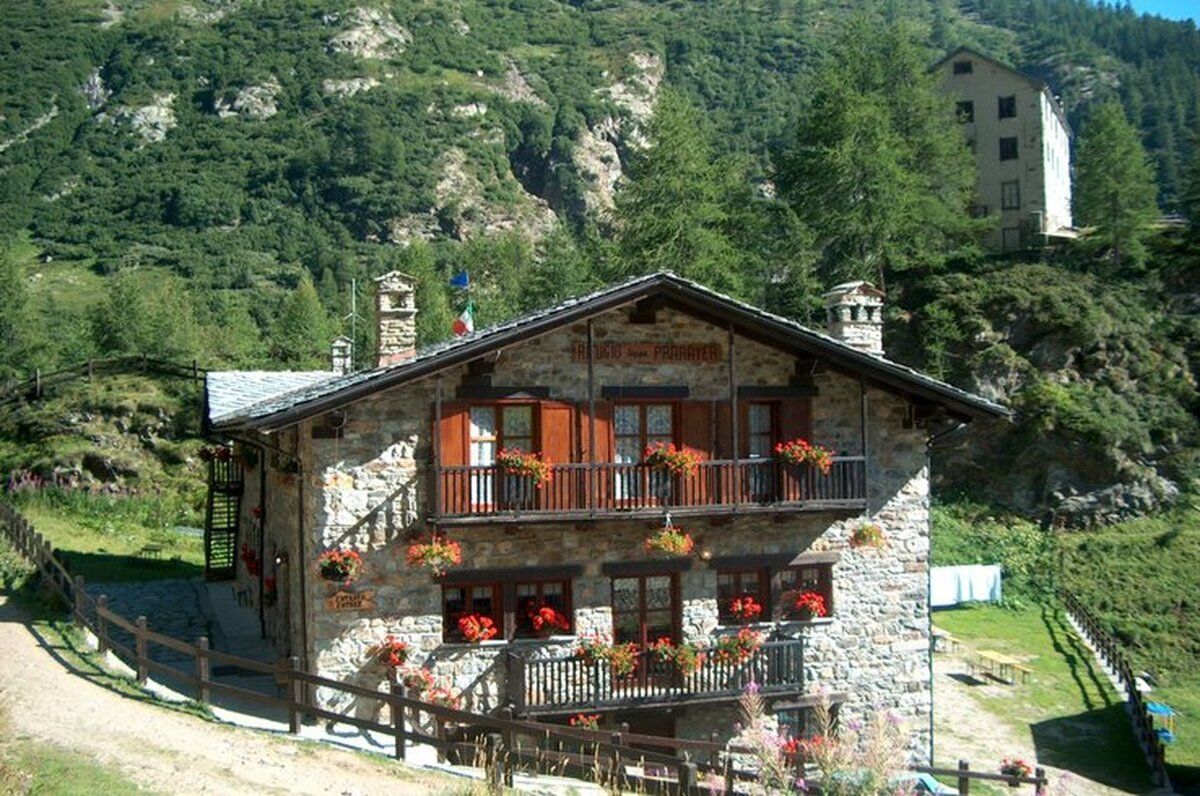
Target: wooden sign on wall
(649,353)
(351,601)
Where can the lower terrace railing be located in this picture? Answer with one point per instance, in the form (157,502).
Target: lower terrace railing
(562,684)
(581,490)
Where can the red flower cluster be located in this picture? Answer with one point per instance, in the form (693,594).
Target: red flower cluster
(220,453)
(516,462)
(745,608)
(801,451)
(443,696)
(250,559)
(256,512)
(341,564)
(585,721)
(739,648)
(392,652)
(688,658)
(665,456)
(1015,767)
(416,680)
(807,604)
(477,627)
(792,748)
(437,554)
(622,657)
(672,541)
(546,619)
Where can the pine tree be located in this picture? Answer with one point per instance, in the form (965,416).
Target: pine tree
(878,169)
(1116,190)
(300,338)
(671,216)
(14,318)
(1191,193)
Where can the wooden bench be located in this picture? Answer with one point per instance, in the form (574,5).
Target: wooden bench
(944,641)
(999,666)
(150,551)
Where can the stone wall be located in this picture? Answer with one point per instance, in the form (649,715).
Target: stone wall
(367,490)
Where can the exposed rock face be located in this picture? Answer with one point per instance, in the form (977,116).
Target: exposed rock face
(348,87)
(469,110)
(95,93)
(253,102)
(637,94)
(153,121)
(1113,504)
(369,33)
(515,88)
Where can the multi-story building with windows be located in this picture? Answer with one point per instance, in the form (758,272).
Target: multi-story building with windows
(821,565)
(1022,146)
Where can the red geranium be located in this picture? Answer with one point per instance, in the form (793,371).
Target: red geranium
(392,652)
(585,721)
(546,619)
(477,627)
(807,603)
(437,554)
(745,608)
(342,564)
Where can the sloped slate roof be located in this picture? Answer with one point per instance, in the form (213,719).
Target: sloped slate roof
(229,392)
(286,406)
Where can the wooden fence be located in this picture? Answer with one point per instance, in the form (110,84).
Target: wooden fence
(500,744)
(1110,650)
(35,387)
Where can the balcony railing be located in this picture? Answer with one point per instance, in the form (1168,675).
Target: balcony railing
(571,683)
(582,490)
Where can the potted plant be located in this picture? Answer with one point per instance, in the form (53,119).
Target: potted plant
(869,534)
(391,652)
(476,628)
(671,541)
(806,604)
(342,565)
(1015,767)
(437,554)
(416,679)
(800,451)
(666,457)
(687,657)
(737,648)
(621,657)
(443,697)
(545,619)
(516,462)
(745,608)
(585,721)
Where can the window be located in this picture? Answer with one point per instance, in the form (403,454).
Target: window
(732,584)
(1010,195)
(636,426)
(802,722)
(977,210)
(1008,148)
(1008,106)
(644,609)
(1010,239)
(533,595)
(761,436)
(470,598)
(963,67)
(808,577)
(965,111)
(494,428)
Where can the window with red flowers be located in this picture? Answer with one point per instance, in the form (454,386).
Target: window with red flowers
(469,598)
(773,582)
(532,596)
(736,584)
(804,578)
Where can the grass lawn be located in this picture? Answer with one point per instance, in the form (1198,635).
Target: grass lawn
(99,537)
(1068,707)
(26,767)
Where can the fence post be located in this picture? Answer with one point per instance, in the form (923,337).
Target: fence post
(714,757)
(139,644)
(202,669)
(964,782)
(615,740)
(77,593)
(398,724)
(495,770)
(295,695)
(506,713)
(1040,773)
(688,781)
(101,624)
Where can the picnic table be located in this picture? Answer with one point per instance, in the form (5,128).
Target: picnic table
(1000,666)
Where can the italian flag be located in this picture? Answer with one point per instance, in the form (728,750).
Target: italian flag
(465,323)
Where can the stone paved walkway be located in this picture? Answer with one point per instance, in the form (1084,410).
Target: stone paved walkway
(172,607)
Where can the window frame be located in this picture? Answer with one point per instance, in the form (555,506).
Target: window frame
(1015,186)
(498,407)
(762,593)
(773,584)
(1016,148)
(450,634)
(1006,103)
(824,588)
(676,604)
(642,404)
(964,111)
(964,67)
(504,590)
(522,627)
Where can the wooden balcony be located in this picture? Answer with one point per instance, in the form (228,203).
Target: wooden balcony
(562,685)
(607,490)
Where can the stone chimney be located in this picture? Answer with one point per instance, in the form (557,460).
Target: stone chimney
(341,354)
(854,313)
(396,308)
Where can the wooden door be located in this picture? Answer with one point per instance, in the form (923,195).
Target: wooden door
(696,436)
(795,422)
(557,446)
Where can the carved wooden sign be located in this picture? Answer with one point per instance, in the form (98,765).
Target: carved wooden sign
(351,601)
(649,353)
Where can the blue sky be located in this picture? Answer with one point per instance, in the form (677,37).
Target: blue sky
(1172,9)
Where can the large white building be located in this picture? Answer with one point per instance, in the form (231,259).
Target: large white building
(1022,145)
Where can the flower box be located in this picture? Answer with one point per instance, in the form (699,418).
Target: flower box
(687,657)
(745,608)
(801,451)
(665,456)
(868,534)
(545,619)
(516,462)
(738,648)
(476,628)
(806,604)
(585,721)
(621,657)
(342,565)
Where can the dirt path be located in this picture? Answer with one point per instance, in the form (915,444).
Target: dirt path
(50,700)
(969,731)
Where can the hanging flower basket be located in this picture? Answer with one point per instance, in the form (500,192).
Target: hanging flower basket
(806,604)
(671,541)
(745,608)
(687,657)
(546,619)
(738,648)
(477,627)
(585,721)
(516,462)
(801,451)
(868,534)
(342,565)
(666,457)
(437,554)
(392,652)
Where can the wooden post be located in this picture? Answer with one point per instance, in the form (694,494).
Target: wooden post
(101,624)
(295,695)
(964,782)
(139,644)
(617,771)
(78,593)
(1040,773)
(688,780)
(714,757)
(438,507)
(506,713)
(398,723)
(203,693)
(494,746)
(734,431)
(593,486)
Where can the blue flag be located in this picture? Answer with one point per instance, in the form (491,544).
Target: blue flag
(461,280)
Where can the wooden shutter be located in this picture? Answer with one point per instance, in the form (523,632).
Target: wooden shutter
(723,449)
(557,446)
(453,444)
(696,436)
(600,491)
(795,421)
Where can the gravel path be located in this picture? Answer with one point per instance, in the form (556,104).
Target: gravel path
(48,699)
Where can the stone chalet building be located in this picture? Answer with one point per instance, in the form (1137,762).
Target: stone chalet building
(376,459)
